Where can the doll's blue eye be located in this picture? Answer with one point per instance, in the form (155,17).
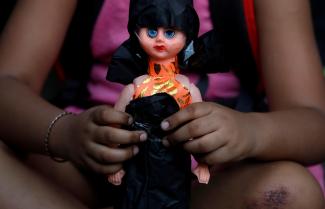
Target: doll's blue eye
(152,33)
(169,34)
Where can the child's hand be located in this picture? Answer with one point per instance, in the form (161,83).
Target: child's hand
(214,134)
(94,136)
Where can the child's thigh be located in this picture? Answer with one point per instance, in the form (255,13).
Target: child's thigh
(22,187)
(64,175)
(259,185)
(37,182)
(90,188)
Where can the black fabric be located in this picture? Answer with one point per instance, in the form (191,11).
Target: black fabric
(75,57)
(203,84)
(126,64)
(6,7)
(318,14)
(209,54)
(229,19)
(157,177)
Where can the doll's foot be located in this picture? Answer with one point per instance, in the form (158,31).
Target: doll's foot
(116,178)
(203,174)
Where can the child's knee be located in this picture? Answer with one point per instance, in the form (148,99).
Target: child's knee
(284,185)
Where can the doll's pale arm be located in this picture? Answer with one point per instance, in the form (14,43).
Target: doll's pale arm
(123,100)
(127,93)
(125,97)
(195,93)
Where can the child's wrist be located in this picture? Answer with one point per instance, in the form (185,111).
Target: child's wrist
(52,138)
(258,132)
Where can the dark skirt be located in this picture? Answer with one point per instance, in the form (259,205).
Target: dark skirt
(157,177)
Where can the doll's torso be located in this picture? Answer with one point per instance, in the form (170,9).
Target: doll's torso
(162,79)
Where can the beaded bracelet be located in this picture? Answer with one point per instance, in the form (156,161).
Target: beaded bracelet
(47,138)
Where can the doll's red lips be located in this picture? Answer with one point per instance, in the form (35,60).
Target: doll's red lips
(160,48)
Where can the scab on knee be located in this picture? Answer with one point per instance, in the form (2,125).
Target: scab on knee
(276,198)
(283,185)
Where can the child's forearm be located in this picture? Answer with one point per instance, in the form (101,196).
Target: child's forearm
(29,46)
(294,134)
(25,116)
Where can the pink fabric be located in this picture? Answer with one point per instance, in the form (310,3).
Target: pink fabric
(109,33)
(110,29)
(318,173)
(222,85)
(202,9)
(74,109)
(101,90)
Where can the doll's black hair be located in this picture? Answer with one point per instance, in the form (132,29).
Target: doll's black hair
(176,14)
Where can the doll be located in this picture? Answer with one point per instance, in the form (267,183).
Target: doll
(161,37)
(162,46)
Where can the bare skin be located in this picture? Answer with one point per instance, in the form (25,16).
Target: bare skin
(293,130)
(27,52)
(295,89)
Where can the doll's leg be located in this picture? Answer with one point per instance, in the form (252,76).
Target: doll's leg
(202,172)
(280,185)
(125,97)
(24,187)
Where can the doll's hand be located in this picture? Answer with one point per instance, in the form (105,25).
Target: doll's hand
(94,136)
(212,133)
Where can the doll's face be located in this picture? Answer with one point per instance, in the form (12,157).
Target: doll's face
(161,44)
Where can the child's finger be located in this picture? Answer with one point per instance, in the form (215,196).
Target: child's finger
(105,115)
(109,135)
(204,144)
(194,129)
(187,114)
(102,168)
(108,155)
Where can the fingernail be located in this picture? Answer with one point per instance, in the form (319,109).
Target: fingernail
(165,125)
(135,150)
(130,121)
(143,137)
(165,142)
